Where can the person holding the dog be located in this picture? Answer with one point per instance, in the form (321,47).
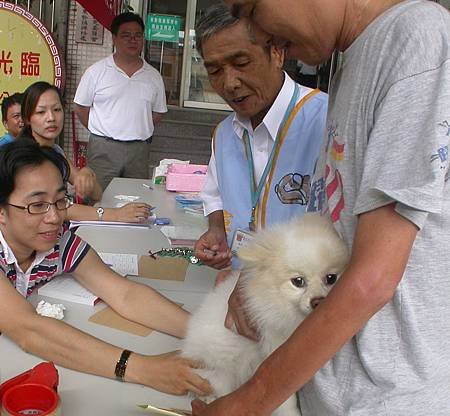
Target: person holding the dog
(377,345)
(263,154)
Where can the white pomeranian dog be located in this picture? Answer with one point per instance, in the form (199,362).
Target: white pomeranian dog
(287,271)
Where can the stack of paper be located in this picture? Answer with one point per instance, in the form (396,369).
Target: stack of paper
(124,264)
(67,288)
(146,224)
(183,235)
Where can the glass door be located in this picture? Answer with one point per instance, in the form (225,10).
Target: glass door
(197,89)
(165,26)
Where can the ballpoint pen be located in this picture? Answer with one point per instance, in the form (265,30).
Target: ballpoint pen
(163,411)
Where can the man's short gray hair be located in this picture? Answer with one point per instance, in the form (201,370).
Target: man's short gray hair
(216,18)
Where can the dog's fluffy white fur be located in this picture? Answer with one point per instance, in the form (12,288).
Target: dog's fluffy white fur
(286,272)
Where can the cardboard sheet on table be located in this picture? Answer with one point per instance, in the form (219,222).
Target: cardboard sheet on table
(107,317)
(163,268)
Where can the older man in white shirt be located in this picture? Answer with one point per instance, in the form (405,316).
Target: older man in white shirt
(273,136)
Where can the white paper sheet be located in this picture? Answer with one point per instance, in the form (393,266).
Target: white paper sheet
(67,288)
(146,224)
(124,264)
(184,232)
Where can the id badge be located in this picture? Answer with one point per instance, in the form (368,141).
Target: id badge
(241,238)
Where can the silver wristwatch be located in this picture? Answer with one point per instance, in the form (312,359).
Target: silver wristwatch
(100,212)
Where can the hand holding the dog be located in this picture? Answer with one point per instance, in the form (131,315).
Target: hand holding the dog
(236,316)
(212,249)
(170,373)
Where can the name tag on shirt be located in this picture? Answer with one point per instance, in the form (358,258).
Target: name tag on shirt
(241,238)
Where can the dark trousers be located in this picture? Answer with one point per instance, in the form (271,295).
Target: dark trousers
(110,158)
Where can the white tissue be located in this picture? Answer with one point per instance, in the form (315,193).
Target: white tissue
(127,198)
(160,171)
(50,310)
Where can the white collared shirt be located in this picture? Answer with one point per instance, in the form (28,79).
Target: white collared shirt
(121,106)
(22,277)
(67,253)
(262,139)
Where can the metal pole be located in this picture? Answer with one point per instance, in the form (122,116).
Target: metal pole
(161,58)
(53,15)
(187,51)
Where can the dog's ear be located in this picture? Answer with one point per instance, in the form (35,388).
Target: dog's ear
(254,253)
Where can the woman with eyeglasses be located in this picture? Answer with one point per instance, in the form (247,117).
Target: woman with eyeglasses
(35,247)
(43,117)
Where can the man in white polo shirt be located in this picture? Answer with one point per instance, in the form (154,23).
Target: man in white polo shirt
(120,99)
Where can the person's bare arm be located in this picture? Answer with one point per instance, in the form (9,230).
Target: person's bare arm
(52,339)
(85,182)
(134,301)
(135,212)
(157,117)
(381,249)
(69,347)
(82,114)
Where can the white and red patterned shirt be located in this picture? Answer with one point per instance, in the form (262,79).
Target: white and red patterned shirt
(64,257)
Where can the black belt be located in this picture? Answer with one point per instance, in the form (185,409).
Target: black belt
(149,140)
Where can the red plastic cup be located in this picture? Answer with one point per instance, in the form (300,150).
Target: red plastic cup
(30,399)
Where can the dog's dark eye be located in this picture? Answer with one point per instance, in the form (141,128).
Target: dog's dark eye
(331,278)
(298,281)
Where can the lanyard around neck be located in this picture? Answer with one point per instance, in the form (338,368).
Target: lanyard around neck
(256,191)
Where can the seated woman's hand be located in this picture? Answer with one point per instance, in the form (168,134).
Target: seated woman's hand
(132,212)
(84,182)
(172,373)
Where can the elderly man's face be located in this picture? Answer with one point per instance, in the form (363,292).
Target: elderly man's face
(246,74)
(301,26)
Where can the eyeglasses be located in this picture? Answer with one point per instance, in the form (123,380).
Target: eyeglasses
(128,36)
(43,207)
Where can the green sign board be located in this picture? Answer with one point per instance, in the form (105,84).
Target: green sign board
(162,27)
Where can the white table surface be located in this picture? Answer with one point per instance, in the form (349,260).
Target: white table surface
(163,201)
(84,394)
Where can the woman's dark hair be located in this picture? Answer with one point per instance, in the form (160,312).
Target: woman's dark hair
(21,153)
(30,99)
(126,17)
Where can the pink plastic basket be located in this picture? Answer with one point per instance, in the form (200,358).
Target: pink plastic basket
(186,178)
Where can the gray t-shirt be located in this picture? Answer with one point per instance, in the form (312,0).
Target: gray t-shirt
(388,133)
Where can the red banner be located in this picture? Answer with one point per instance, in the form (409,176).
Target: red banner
(103,11)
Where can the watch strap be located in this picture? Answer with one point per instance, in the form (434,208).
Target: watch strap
(121,365)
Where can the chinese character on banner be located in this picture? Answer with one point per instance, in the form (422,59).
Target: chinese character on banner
(114,5)
(6,63)
(30,65)
(28,52)
(3,94)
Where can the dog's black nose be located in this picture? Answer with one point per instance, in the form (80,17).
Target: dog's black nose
(315,301)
